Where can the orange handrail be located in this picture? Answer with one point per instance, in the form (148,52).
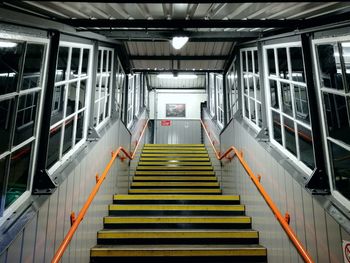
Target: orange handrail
(99,180)
(281,219)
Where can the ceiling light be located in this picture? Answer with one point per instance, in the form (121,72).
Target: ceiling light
(179,76)
(7,44)
(179,42)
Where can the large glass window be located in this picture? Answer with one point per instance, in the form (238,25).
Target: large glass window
(232,89)
(69,109)
(251,87)
(103,94)
(21,84)
(333,73)
(130,104)
(220,100)
(288,107)
(211,92)
(120,82)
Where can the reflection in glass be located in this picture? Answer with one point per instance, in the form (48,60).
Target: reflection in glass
(286,99)
(57,104)
(62,60)
(80,127)
(10,59)
(271,62)
(346,57)
(68,135)
(251,86)
(330,67)
(245,64)
(252,111)
(274,94)
(259,115)
(250,61)
(19,172)
(277,132)
(3,174)
(32,66)
(6,117)
(245,81)
(296,58)
(341,168)
(301,104)
(107,107)
(246,109)
(256,62)
(105,61)
(110,61)
(74,67)
(72,97)
(282,63)
(289,132)
(306,146)
(26,116)
(257,90)
(54,146)
(102,108)
(85,62)
(337,114)
(82,94)
(96,105)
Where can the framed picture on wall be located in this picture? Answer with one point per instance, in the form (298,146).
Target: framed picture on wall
(175,110)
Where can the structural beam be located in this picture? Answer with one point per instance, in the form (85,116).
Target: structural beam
(156,71)
(181,23)
(174,57)
(187,2)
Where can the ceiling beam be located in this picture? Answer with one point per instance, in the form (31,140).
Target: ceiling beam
(187,2)
(174,57)
(156,71)
(180,23)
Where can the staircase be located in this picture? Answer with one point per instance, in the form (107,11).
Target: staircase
(175,211)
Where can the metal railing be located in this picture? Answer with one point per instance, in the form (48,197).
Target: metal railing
(75,221)
(283,220)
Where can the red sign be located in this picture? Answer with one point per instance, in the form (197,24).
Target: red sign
(165,122)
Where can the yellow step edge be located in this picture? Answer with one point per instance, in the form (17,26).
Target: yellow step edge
(119,207)
(174,151)
(178,197)
(188,184)
(187,168)
(174,173)
(181,233)
(174,178)
(175,154)
(178,220)
(176,191)
(173,145)
(175,148)
(176,251)
(189,159)
(173,163)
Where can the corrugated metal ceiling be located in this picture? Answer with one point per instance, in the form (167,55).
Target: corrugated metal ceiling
(158,83)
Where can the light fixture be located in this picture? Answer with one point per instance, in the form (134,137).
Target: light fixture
(179,42)
(179,76)
(6,44)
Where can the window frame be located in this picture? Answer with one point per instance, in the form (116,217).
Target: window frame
(63,157)
(269,108)
(120,83)
(219,84)
(130,99)
(255,75)
(232,90)
(33,140)
(212,91)
(325,137)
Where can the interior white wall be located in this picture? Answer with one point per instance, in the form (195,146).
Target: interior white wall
(192,99)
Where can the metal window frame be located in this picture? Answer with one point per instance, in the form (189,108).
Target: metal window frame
(219,94)
(325,138)
(130,99)
(270,109)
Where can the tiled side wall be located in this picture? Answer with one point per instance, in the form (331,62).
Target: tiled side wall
(41,237)
(314,225)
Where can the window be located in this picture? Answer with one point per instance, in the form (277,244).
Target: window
(69,105)
(120,82)
(220,100)
(333,64)
(211,91)
(103,95)
(232,89)
(130,104)
(251,87)
(137,84)
(21,84)
(288,108)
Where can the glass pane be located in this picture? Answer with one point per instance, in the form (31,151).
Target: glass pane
(330,67)
(244,61)
(341,168)
(271,62)
(305,146)
(62,60)
(257,85)
(252,111)
(256,62)
(33,66)
(283,63)
(80,127)
(53,154)
(274,94)
(301,104)
(57,104)
(3,175)
(107,107)
(337,117)
(102,108)
(259,115)
(74,66)
(289,132)
(246,109)
(6,117)
(104,66)
(346,57)
(10,60)
(26,117)
(110,61)
(251,86)
(72,97)
(99,61)
(68,135)
(82,94)
(286,99)
(250,61)
(296,57)
(108,79)
(96,105)
(103,87)
(85,63)
(245,83)
(277,133)
(19,172)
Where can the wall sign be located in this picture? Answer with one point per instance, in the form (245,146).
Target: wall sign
(175,110)
(346,251)
(165,122)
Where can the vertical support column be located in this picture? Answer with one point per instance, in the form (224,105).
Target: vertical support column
(318,182)
(42,182)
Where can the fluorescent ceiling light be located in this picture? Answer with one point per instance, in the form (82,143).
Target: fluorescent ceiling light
(179,76)
(6,44)
(179,42)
